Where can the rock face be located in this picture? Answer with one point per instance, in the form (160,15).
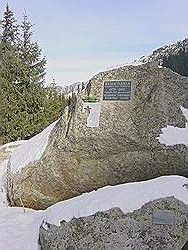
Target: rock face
(115,230)
(174,56)
(123,148)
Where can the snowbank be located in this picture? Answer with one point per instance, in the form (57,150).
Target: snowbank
(3,168)
(174,135)
(31,150)
(12,144)
(5,152)
(128,197)
(19,230)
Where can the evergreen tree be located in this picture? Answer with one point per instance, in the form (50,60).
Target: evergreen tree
(10,66)
(10,59)
(10,27)
(27,106)
(30,53)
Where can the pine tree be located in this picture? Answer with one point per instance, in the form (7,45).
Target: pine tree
(10,57)
(10,62)
(32,79)
(30,53)
(10,27)
(27,106)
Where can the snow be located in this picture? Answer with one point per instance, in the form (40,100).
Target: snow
(31,150)
(3,168)
(12,144)
(19,230)
(5,151)
(173,135)
(165,51)
(128,197)
(185,113)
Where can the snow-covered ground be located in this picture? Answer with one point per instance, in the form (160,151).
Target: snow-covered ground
(11,145)
(5,153)
(128,197)
(31,150)
(19,228)
(174,135)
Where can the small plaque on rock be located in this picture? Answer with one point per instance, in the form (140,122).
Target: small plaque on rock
(116,90)
(163,217)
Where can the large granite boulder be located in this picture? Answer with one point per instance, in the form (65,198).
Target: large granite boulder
(115,230)
(124,148)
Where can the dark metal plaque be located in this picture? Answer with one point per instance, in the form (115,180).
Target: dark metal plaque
(117,90)
(164,217)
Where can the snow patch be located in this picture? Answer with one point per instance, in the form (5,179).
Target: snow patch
(12,144)
(31,150)
(6,150)
(173,135)
(160,53)
(3,168)
(19,230)
(128,197)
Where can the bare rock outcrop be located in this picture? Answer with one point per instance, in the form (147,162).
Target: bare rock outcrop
(124,148)
(115,230)
(174,56)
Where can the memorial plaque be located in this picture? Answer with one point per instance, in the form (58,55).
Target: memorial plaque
(117,90)
(163,217)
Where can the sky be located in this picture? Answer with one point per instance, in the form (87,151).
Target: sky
(80,38)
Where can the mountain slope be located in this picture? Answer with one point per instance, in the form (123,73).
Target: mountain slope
(174,57)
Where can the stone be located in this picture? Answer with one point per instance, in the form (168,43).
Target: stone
(123,148)
(113,229)
(174,56)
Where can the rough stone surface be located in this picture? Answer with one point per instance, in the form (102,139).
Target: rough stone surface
(115,230)
(122,149)
(174,56)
